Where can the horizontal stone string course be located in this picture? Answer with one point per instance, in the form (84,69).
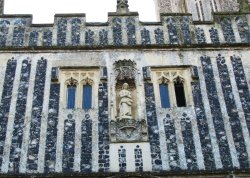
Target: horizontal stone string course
(5,102)
(232,113)
(37,106)
(17,135)
(216,113)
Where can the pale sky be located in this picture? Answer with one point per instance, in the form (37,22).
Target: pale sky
(96,10)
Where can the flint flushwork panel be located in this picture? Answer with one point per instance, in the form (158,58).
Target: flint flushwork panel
(153,129)
(36,115)
(212,95)
(4,30)
(242,86)
(5,102)
(61,32)
(51,136)
(103,129)
(68,145)
(86,153)
(171,141)
(17,135)
(205,138)
(188,140)
(232,112)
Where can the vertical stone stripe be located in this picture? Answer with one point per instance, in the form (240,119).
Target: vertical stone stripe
(37,105)
(216,112)
(153,129)
(103,129)
(5,102)
(205,138)
(86,150)
(171,141)
(188,140)
(17,135)
(68,145)
(50,149)
(232,112)
(122,159)
(242,86)
(138,159)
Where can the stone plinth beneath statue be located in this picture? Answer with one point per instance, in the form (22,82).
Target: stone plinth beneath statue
(128,130)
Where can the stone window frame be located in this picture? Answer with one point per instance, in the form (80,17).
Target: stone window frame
(169,75)
(82,76)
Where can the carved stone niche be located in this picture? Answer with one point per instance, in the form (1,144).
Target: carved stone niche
(126,126)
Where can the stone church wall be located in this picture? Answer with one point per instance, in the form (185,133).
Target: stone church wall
(39,135)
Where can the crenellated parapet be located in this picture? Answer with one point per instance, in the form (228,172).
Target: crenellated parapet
(123,30)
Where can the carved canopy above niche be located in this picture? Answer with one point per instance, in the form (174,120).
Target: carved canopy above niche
(125,69)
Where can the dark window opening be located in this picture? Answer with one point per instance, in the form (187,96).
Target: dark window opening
(180,93)
(164,93)
(71,96)
(87,97)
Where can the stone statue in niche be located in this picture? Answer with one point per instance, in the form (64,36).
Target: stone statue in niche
(125,105)
(126,124)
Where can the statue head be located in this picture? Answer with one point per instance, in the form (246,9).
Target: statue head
(125,86)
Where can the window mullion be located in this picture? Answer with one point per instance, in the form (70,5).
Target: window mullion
(173,102)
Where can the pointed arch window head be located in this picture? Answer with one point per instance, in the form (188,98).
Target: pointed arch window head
(179,92)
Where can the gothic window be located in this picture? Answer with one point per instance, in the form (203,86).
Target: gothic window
(164,94)
(80,88)
(179,92)
(71,93)
(87,96)
(172,87)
